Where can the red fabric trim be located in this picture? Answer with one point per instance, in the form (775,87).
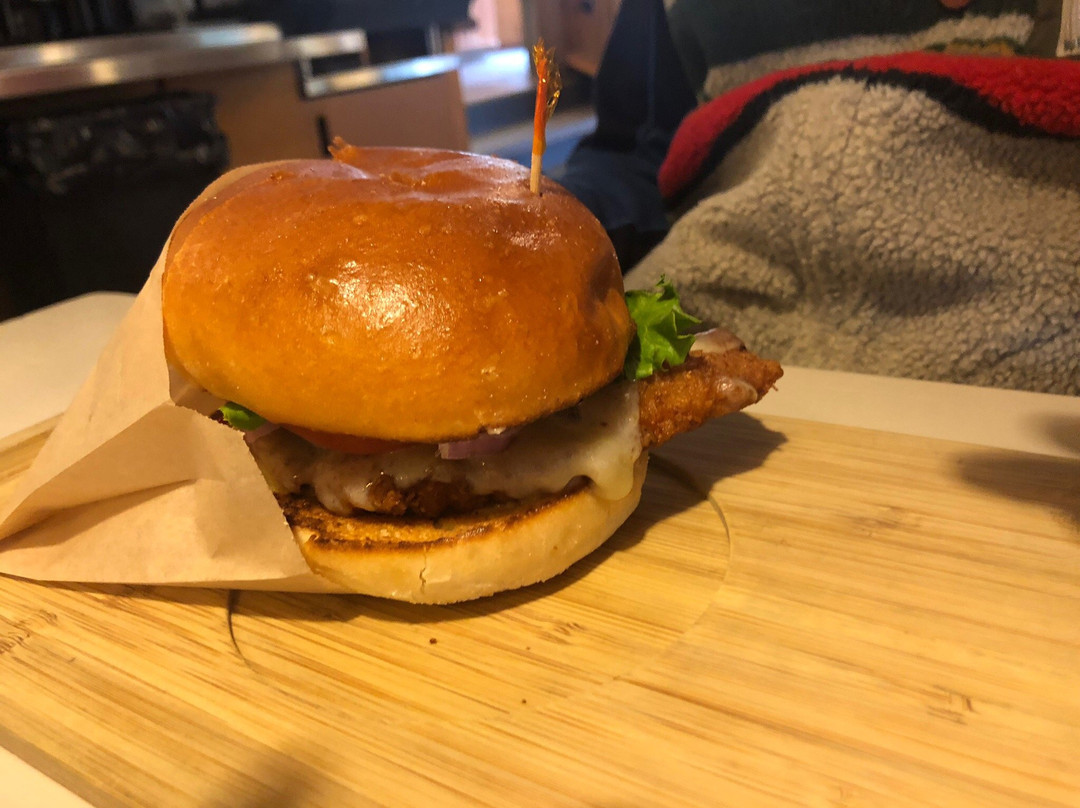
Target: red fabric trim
(1040,93)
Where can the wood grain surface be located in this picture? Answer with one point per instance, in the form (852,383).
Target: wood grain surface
(798,614)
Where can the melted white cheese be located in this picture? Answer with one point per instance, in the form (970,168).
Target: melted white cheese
(598,439)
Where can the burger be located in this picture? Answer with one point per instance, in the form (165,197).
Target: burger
(437,371)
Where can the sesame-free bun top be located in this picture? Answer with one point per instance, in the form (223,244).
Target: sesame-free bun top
(402,294)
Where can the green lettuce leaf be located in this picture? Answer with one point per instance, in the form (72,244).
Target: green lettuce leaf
(240,417)
(662,339)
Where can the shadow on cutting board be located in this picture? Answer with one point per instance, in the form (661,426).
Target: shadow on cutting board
(1039,479)
(670,488)
(608,615)
(1050,481)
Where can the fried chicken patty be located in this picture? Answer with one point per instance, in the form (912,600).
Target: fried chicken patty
(708,385)
(428,498)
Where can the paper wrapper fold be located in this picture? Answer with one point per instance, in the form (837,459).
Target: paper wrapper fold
(133,488)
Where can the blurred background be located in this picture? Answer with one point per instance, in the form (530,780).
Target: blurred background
(114,114)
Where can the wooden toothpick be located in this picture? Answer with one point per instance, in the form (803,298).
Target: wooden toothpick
(548,87)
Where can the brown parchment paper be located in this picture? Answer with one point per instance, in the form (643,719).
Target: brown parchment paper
(133,488)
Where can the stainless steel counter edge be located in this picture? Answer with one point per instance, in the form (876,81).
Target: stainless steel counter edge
(388,73)
(52,67)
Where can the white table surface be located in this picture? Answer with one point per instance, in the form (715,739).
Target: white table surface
(45,356)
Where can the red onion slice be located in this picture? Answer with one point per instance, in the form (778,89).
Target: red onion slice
(480,446)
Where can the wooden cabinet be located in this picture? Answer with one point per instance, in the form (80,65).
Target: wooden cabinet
(587,25)
(263,113)
(422,112)
(579,29)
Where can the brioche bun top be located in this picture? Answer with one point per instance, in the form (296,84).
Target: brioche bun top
(402,294)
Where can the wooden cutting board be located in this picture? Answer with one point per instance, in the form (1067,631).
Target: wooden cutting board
(848,618)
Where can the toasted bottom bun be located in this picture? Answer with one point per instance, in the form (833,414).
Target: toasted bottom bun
(458,558)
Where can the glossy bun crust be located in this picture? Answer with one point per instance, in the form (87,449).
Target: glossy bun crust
(404,294)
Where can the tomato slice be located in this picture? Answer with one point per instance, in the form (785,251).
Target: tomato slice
(349,444)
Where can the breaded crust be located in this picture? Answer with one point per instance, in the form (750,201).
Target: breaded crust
(428,498)
(706,386)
